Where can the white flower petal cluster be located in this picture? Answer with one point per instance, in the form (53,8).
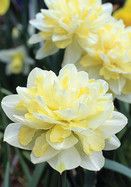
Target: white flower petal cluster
(17,60)
(70,24)
(66,120)
(110,59)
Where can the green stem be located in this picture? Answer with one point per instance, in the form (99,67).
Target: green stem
(63,180)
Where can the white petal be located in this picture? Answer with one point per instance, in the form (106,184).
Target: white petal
(32,76)
(125,98)
(114,125)
(11,136)
(72,54)
(117,85)
(66,144)
(38,24)
(9,104)
(35,38)
(108,8)
(112,143)
(65,160)
(99,119)
(94,162)
(45,51)
(68,69)
(4,56)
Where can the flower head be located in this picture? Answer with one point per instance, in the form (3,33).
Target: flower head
(124,13)
(69,24)
(66,120)
(16,59)
(4,6)
(110,59)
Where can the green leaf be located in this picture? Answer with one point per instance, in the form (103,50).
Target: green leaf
(34,181)
(7,175)
(90,179)
(117,167)
(5,91)
(24,166)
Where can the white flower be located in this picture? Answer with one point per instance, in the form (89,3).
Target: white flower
(17,60)
(110,59)
(69,24)
(66,120)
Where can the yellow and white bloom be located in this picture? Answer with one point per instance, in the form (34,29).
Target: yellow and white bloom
(17,60)
(69,24)
(110,59)
(4,6)
(66,120)
(124,13)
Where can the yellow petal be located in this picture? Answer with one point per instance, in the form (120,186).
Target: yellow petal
(92,141)
(58,134)
(41,146)
(26,135)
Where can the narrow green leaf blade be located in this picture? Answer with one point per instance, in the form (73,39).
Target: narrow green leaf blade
(36,175)
(117,167)
(7,175)
(24,166)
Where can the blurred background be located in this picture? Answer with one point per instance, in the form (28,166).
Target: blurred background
(16,170)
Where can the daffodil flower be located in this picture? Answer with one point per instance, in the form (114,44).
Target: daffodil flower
(4,6)
(124,13)
(66,120)
(70,25)
(110,59)
(17,60)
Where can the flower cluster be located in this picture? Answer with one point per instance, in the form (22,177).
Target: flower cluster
(69,119)
(66,120)
(91,37)
(110,59)
(69,24)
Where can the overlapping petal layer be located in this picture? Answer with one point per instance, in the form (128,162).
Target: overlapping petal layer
(66,120)
(110,59)
(69,24)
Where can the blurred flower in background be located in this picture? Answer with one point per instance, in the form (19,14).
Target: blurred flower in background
(17,60)
(124,13)
(4,6)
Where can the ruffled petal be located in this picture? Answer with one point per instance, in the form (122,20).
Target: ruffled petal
(9,104)
(112,143)
(65,160)
(11,136)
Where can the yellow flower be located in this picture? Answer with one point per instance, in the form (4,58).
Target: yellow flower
(16,59)
(4,6)
(69,24)
(66,120)
(124,13)
(110,59)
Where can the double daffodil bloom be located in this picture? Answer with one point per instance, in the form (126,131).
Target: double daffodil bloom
(110,59)
(124,13)
(69,24)
(4,6)
(17,60)
(66,120)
